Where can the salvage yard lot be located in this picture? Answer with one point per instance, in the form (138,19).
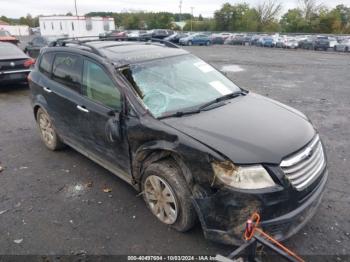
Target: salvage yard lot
(54,202)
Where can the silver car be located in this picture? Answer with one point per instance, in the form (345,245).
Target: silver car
(343,46)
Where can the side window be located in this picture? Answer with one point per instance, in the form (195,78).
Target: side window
(46,64)
(38,41)
(98,86)
(34,41)
(67,70)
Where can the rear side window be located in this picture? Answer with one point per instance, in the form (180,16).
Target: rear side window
(99,87)
(37,41)
(67,70)
(46,64)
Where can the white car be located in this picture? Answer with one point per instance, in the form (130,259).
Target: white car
(343,46)
(291,43)
(332,42)
(133,34)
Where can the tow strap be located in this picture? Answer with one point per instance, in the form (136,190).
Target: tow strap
(254,235)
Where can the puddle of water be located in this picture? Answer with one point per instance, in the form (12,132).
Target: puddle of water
(232,68)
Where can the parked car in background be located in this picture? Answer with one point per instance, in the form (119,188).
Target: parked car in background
(196,39)
(324,43)
(255,39)
(280,41)
(219,39)
(239,39)
(34,46)
(187,138)
(14,64)
(175,38)
(267,41)
(156,33)
(307,43)
(290,43)
(133,34)
(5,36)
(343,46)
(114,34)
(35,30)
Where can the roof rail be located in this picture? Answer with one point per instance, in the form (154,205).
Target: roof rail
(83,41)
(76,41)
(140,39)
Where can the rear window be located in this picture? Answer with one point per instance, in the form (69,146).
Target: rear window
(45,65)
(7,49)
(67,70)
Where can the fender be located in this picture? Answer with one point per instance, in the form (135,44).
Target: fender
(41,102)
(154,151)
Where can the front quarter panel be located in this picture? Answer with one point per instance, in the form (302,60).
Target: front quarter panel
(148,136)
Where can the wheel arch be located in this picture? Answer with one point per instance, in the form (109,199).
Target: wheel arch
(40,102)
(148,155)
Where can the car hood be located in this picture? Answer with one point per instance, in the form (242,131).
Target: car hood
(248,129)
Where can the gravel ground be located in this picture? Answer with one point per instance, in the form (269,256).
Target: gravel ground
(53,203)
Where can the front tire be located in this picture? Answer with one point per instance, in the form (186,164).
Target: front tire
(190,43)
(167,195)
(47,131)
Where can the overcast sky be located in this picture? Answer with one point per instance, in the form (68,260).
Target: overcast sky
(17,8)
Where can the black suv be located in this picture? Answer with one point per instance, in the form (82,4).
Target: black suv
(180,132)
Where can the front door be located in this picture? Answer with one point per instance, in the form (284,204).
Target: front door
(103,132)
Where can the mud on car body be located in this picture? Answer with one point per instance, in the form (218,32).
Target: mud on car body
(183,134)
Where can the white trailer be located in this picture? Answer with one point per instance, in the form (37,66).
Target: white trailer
(74,26)
(17,30)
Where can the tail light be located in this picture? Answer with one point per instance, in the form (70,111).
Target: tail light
(29,62)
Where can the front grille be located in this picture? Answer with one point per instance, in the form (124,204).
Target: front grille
(306,165)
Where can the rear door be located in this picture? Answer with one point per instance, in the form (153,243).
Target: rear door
(103,132)
(62,91)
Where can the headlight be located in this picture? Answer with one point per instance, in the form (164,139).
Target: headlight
(242,177)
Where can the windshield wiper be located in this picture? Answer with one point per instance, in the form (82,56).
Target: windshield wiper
(180,113)
(204,106)
(223,98)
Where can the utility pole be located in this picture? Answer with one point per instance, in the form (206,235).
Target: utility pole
(76,9)
(180,7)
(191,17)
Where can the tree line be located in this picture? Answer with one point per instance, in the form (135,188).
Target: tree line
(307,17)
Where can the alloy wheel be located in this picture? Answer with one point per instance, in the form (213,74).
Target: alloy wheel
(46,129)
(161,199)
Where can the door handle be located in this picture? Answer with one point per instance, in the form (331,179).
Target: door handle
(46,89)
(83,109)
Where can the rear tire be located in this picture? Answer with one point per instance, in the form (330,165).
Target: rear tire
(171,192)
(190,43)
(207,43)
(47,131)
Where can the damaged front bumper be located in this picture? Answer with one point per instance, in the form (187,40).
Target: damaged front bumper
(223,214)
